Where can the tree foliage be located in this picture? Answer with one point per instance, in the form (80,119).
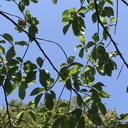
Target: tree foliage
(76,77)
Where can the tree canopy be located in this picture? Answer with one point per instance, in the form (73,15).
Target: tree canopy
(97,54)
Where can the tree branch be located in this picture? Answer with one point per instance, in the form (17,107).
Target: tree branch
(43,52)
(7,108)
(124,2)
(114,43)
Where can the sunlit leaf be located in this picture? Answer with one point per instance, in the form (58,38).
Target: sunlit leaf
(33,115)
(20,117)
(104,94)
(82,9)
(124,116)
(2,50)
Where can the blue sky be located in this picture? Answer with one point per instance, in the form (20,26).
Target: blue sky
(50,27)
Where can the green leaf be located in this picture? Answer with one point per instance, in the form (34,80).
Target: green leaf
(89,44)
(58,121)
(55,1)
(104,94)
(81,123)
(49,101)
(82,39)
(94,53)
(124,116)
(21,92)
(94,107)
(71,59)
(77,114)
(113,19)
(1,79)
(33,30)
(63,105)
(2,50)
(75,27)
(8,37)
(74,70)
(9,87)
(34,1)
(94,17)
(87,100)
(21,6)
(12,62)
(18,76)
(36,91)
(26,2)
(34,21)
(28,16)
(33,115)
(65,28)
(95,118)
(98,86)
(82,9)
(29,66)
(95,37)
(44,76)
(31,76)
(81,53)
(79,100)
(109,11)
(53,94)
(2,41)
(37,99)
(22,43)
(40,61)
(103,20)
(102,108)
(19,117)
(110,2)
(10,53)
(66,13)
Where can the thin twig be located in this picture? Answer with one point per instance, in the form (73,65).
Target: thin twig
(26,50)
(124,2)
(7,108)
(12,15)
(116,16)
(114,43)
(120,71)
(54,43)
(60,97)
(43,52)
